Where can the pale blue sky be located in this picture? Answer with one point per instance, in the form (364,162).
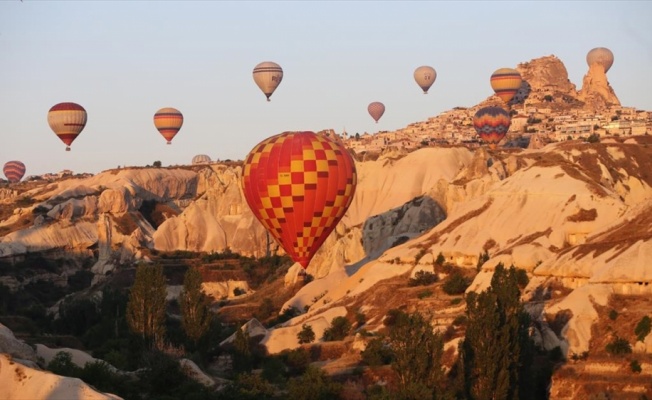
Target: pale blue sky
(124,60)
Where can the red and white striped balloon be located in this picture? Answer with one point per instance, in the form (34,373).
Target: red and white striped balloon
(14,171)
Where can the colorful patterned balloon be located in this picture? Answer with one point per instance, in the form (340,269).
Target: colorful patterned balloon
(268,75)
(492,124)
(506,82)
(299,185)
(376,110)
(14,171)
(425,77)
(67,120)
(168,121)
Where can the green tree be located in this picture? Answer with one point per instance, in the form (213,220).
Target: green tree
(156,164)
(496,352)
(307,335)
(146,306)
(340,327)
(417,353)
(195,306)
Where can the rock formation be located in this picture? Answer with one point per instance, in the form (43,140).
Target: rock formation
(596,91)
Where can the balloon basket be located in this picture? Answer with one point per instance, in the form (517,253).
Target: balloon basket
(169,143)
(67,148)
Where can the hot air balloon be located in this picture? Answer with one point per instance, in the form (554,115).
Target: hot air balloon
(67,120)
(376,110)
(492,124)
(299,185)
(602,56)
(506,82)
(201,159)
(268,75)
(168,121)
(14,171)
(425,77)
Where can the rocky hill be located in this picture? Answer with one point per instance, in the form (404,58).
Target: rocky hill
(575,215)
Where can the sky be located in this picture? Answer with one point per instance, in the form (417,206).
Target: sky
(122,61)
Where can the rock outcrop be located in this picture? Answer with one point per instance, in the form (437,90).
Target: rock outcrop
(596,91)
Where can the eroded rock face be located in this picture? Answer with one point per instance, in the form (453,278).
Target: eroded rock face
(596,91)
(400,224)
(14,347)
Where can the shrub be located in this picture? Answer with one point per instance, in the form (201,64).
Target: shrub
(522,278)
(423,294)
(643,328)
(340,327)
(239,291)
(440,259)
(456,301)
(376,353)
(460,320)
(619,346)
(456,284)
(613,314)
(635,366)
(423,278)
(594,138)
(307,335)
(297,360)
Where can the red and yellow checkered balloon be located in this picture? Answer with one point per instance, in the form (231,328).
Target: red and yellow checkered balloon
(299,185)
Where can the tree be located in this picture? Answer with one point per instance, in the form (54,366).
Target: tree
(242,357)
(495,354)
(417,353)
(195,312)
(307,335)
(146,306)
(156,164)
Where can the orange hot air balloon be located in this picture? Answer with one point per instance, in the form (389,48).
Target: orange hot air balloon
(14,171)
(299,185)
(67,120)
(506,82)
(491,124)
(168,121)
(376,110)
(425,76)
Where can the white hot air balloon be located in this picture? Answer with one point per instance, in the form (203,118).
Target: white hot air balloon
(268,75)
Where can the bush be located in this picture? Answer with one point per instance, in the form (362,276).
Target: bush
(376,353)
(522,278)
(314,384)
(440,259)
(340,327)
(423,278)
(613,314)
(297,361)
(239,291)
(307,335)
(635,366)
(456,284)
(594,138)
(425,293)
(643,328)
(619,346)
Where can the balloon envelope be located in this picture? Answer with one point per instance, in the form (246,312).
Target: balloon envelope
(67,120)
(201,159)
(506,82)
(425,76)
(491,124)
(168,121)
(602,56)
(268,75)
(14,171)
(299,185)
(376,110)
